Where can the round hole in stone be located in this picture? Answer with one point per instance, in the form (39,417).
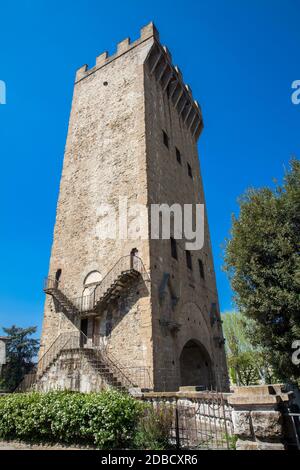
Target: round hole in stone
(105,83)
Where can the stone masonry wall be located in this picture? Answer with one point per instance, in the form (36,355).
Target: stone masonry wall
(169,183)
(114,150)
(104,160)
(72,371)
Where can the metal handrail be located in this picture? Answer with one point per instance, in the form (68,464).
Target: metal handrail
(131,375)
(87,303)
(116,369)
(128,376)
(135,263)
(65,340)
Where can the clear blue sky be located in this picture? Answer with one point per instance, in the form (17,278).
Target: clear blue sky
(240,58)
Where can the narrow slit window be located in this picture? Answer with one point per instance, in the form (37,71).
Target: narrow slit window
(173,248)
(188,259)
(166,139)
(190,173)
(201,269)
(178,155)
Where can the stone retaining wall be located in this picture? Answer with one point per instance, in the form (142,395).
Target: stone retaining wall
(258,417)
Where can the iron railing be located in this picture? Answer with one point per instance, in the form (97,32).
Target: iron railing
(128,376)
(66,340)
(204,422)
(128,264)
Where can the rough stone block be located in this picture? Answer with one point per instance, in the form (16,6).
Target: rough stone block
(246,445)
(269,445)
(241,423)
(267,425)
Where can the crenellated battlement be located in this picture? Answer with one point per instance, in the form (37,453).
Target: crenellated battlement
(160,65)
(124,46)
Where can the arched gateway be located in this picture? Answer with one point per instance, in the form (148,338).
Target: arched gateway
(195,365)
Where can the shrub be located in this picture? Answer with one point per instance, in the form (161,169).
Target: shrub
(107,419)
(154,428)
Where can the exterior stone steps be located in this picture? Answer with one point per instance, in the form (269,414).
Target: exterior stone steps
(103,369)
(122,281)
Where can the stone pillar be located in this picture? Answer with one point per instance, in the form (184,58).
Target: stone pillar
(257,416)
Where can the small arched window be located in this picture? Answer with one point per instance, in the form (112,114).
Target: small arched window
(92,278)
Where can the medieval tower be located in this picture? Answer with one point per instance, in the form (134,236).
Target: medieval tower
(146,309)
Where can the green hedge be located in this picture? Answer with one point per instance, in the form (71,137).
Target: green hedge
(107,419)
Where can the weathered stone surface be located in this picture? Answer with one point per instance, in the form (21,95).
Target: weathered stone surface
(244,444)
(71,371)
(258,395)
(267,424)
(269,445)
(241,423)
(115,149)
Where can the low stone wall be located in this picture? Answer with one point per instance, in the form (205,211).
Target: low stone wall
(258,417)
(200,419)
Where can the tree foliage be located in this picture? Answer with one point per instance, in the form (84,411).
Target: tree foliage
(248,365)
(21,350)
(262,260)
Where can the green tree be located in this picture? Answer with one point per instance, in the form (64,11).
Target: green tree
(262,260)
(21,351)
(247,364)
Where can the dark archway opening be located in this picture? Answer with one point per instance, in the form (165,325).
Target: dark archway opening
(84,330)
(195,366)
(57,275)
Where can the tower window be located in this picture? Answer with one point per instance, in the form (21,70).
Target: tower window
(173,248)
(178,155)
(201,269)
(188,259)
(189,170)
(166,139)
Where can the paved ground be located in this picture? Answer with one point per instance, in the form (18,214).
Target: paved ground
(16,445)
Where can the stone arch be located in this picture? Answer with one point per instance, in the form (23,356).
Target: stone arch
(195,365)
(195,324)
(90,280)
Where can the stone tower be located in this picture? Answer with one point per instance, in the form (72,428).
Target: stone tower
(149,306)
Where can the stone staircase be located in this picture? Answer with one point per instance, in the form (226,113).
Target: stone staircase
(104,369)
(120,277)
(72,343)
(66,305)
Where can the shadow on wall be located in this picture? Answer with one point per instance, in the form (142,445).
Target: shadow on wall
(117,310)
(195,366)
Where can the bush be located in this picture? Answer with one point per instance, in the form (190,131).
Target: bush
(107,419)
(154,428)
